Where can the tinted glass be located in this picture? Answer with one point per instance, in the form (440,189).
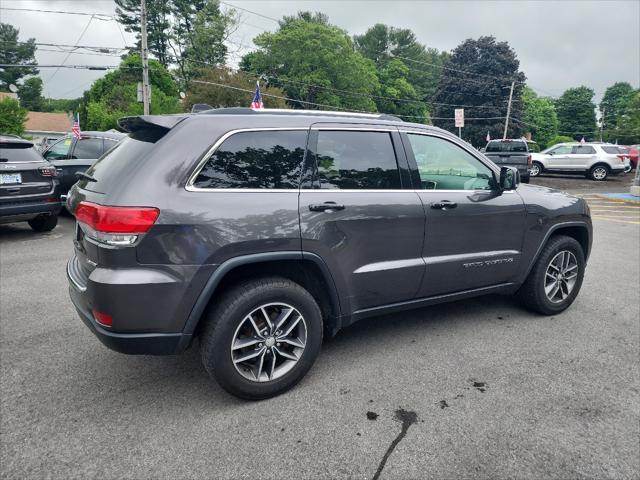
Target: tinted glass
(112,167)
(19,153)
(356,160)
(59,150)
(88,148)
(583,149)
(506,146)
(443,165)
(613,150)
(269,159)
(109,144)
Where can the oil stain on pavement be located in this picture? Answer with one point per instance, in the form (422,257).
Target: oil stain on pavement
(407,418)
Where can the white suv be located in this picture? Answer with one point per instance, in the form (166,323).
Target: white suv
(595,160)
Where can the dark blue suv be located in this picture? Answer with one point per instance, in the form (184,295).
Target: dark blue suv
(261,231)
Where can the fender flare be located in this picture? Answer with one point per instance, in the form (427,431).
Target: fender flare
(552,229)
(228,265)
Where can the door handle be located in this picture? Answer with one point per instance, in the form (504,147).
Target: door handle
(323,207)
(443,205)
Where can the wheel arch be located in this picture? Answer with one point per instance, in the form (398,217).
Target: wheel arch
(579,231)
(306,269)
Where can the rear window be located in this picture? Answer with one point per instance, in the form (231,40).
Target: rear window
(262,159)
(506,146)
(612,150)
(111,167)
(19,153)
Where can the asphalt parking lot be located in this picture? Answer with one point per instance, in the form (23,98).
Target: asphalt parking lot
(475,389)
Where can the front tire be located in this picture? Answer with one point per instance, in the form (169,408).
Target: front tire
(43,223)
(556,278)
(262,337)
(599,173)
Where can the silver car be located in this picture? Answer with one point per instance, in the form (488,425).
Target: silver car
(595,160)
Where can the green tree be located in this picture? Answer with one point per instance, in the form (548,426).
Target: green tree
(478,75)
(217,96)
(576,113)
(30,94)
(381,43)
(613,105)
(115,95)
(187,33)
(394,84)
(14,52)
(559,139)
(627,125)
(12,117)
(61,104)
(314,63)
(539,115)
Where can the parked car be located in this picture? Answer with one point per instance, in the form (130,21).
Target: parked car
(28,186)
(510,152)
(258,231)
(631,151)
(71,155)
(595,160)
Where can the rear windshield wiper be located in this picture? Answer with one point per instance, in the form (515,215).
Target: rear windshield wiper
(84,176)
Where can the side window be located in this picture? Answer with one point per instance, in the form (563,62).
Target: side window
(356,160)
(562,150)
(442,165)
(87,148)
(584,149)
(267,159)
(60,150)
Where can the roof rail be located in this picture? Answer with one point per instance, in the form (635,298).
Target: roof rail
(285,111)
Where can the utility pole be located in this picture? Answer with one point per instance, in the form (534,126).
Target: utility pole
(145,57)
(506,123)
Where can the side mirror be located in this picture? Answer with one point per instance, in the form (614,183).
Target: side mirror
(509,178)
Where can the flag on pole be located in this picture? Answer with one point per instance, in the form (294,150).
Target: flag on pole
(488,137)
(257,98)
(75,129)
(582,140)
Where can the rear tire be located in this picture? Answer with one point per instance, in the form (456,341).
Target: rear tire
(239,318)
(537,292)
(43,223)
(536,169)
(599,173)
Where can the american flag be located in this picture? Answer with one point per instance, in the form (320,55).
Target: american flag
(488,137)
(75,129)
(257,98)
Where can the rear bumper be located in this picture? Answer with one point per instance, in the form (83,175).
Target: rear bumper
(143,343)
(21,210)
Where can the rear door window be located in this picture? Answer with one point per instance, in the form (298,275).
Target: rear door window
(88,147)
(356,160)
(584,150)
(261,159)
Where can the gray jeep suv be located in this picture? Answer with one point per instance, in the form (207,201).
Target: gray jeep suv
(260,231)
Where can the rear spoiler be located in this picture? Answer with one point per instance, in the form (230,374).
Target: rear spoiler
(132,124)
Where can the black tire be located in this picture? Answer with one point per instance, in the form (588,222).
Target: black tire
(43,223)
(594,173)
(540,169)
(532,292)
(224,320)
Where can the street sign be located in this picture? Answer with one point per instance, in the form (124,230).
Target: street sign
(459,115)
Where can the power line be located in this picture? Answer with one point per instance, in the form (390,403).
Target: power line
(77,42)
(103,15)
(252,12)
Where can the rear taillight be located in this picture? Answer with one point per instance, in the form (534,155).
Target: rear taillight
(115,226)
(529,160)
(48,171)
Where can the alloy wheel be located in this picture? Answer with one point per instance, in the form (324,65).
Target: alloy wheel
(561,276)
(534,171)
(269,342)
(599,173)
